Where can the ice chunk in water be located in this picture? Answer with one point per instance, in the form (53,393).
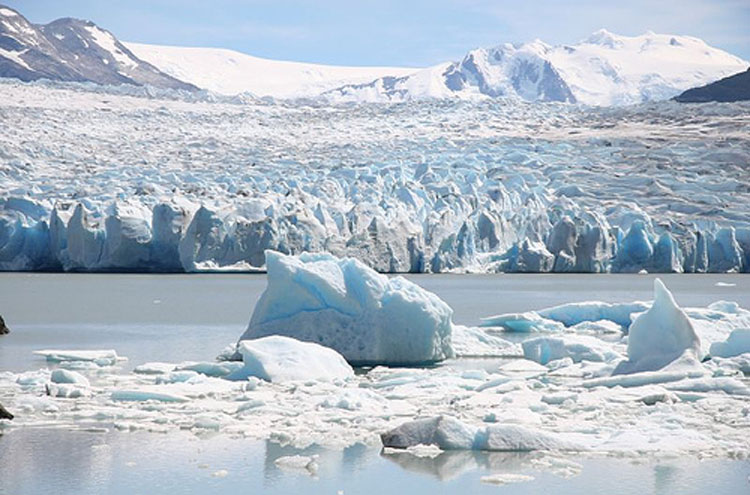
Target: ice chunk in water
(448,433)
(660,335)
(67,376)
(737,343)
(100,357)
(277,358)
(342,304)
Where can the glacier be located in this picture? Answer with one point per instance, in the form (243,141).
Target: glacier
(120,179)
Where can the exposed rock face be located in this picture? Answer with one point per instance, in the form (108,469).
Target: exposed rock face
(732,88)
(3,329)
(72,50)
(4,414)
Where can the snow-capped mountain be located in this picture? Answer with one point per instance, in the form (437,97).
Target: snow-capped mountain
(604,69)
(504,71)
(72,50)
(230,72)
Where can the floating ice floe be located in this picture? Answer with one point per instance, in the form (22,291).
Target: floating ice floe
(737,343)
(67,376)
(342,304)
(558,318)
(660,335)
(576,347)
(144,394)
(278,359)
(448,433)
(67,384)
(475,342)
(98,357)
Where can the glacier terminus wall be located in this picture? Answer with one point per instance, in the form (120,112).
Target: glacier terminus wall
(116,180)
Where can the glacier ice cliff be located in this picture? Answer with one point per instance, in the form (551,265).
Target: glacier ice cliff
(119,181)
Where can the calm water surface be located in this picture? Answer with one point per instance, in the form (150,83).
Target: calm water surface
(192,317)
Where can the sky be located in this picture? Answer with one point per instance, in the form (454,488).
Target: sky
(389,32)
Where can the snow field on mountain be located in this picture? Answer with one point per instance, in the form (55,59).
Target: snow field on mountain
(229,72)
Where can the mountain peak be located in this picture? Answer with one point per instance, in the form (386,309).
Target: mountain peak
(604,69)
(604,38)
(8,12)
(70,49)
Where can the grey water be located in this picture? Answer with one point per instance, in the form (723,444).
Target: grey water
(40,461)
(193,317)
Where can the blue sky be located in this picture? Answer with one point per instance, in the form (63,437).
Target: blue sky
(386,32)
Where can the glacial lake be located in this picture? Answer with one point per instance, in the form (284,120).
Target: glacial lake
(193,317)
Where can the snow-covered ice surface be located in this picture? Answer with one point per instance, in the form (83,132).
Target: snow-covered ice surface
(98,179)
(229,72)
(278,359)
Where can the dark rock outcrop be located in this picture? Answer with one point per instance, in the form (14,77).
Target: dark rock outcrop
(3,329)
(4,414)
(732,88)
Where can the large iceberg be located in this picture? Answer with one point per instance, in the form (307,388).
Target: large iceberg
(344,305)
(660,335)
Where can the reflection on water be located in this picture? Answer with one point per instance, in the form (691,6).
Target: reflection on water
(41,461)
(450,465)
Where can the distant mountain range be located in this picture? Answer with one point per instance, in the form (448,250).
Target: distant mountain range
(72,50)
(604,69)
(229,72)
(732,88)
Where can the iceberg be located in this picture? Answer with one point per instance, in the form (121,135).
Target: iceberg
(279,359)
(660,335)
(99,357)
(67,376)
(737,343)
(576,347)
(143,395)
(342,304)
(448,433)
(475,342)
(558,318)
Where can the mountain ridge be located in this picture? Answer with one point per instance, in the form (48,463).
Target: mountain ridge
(729,89)
(69,49)
(603,69)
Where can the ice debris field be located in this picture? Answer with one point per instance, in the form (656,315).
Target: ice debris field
(135,179)
(626,379)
